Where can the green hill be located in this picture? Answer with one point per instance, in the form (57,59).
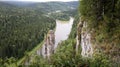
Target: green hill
(23,26)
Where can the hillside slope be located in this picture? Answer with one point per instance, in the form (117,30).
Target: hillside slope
(99,28)
(22,28)
(45,6)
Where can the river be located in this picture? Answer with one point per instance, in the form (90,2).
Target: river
(62,31)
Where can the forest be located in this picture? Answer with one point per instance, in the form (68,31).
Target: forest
(63,15)
(22,27)
(103,18)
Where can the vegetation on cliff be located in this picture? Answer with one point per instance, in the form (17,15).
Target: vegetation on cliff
(103,19)
(20,30)
(66,55)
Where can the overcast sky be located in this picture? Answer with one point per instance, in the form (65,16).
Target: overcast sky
(40,0)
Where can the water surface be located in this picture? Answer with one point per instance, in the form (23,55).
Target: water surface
(63,29)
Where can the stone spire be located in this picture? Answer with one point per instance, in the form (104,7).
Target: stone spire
(84,39)
(49,43)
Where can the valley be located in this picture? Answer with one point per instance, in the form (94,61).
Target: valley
(25,27)
(84,33)
(61,33)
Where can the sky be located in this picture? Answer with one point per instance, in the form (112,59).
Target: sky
(41,0)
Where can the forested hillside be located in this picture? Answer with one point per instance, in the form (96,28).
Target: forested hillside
(45,7)
(65,54)
(94,40)
(24,26)
(63,15)
(21,28)
(102,19)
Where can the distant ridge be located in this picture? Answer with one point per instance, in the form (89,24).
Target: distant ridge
(29,3)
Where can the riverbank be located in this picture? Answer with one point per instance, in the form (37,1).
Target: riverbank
(61,33)
(63,29)
(64,52)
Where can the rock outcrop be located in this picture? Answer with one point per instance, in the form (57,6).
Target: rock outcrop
(84,39)
(49,43)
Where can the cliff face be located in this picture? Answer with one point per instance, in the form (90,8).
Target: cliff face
(49,43)
(84,39)
(89,44)
(48,46)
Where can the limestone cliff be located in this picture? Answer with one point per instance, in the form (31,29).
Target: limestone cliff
(46,50)
(87,39)
(84,39)
(48,45)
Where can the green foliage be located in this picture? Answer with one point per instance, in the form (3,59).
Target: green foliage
(8,62)
(73,32)
(100,60)
(66,56)
(24,25)
(60,16)
(102,16)
(21,29)
(63,15)
(54,6)
(65,53)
